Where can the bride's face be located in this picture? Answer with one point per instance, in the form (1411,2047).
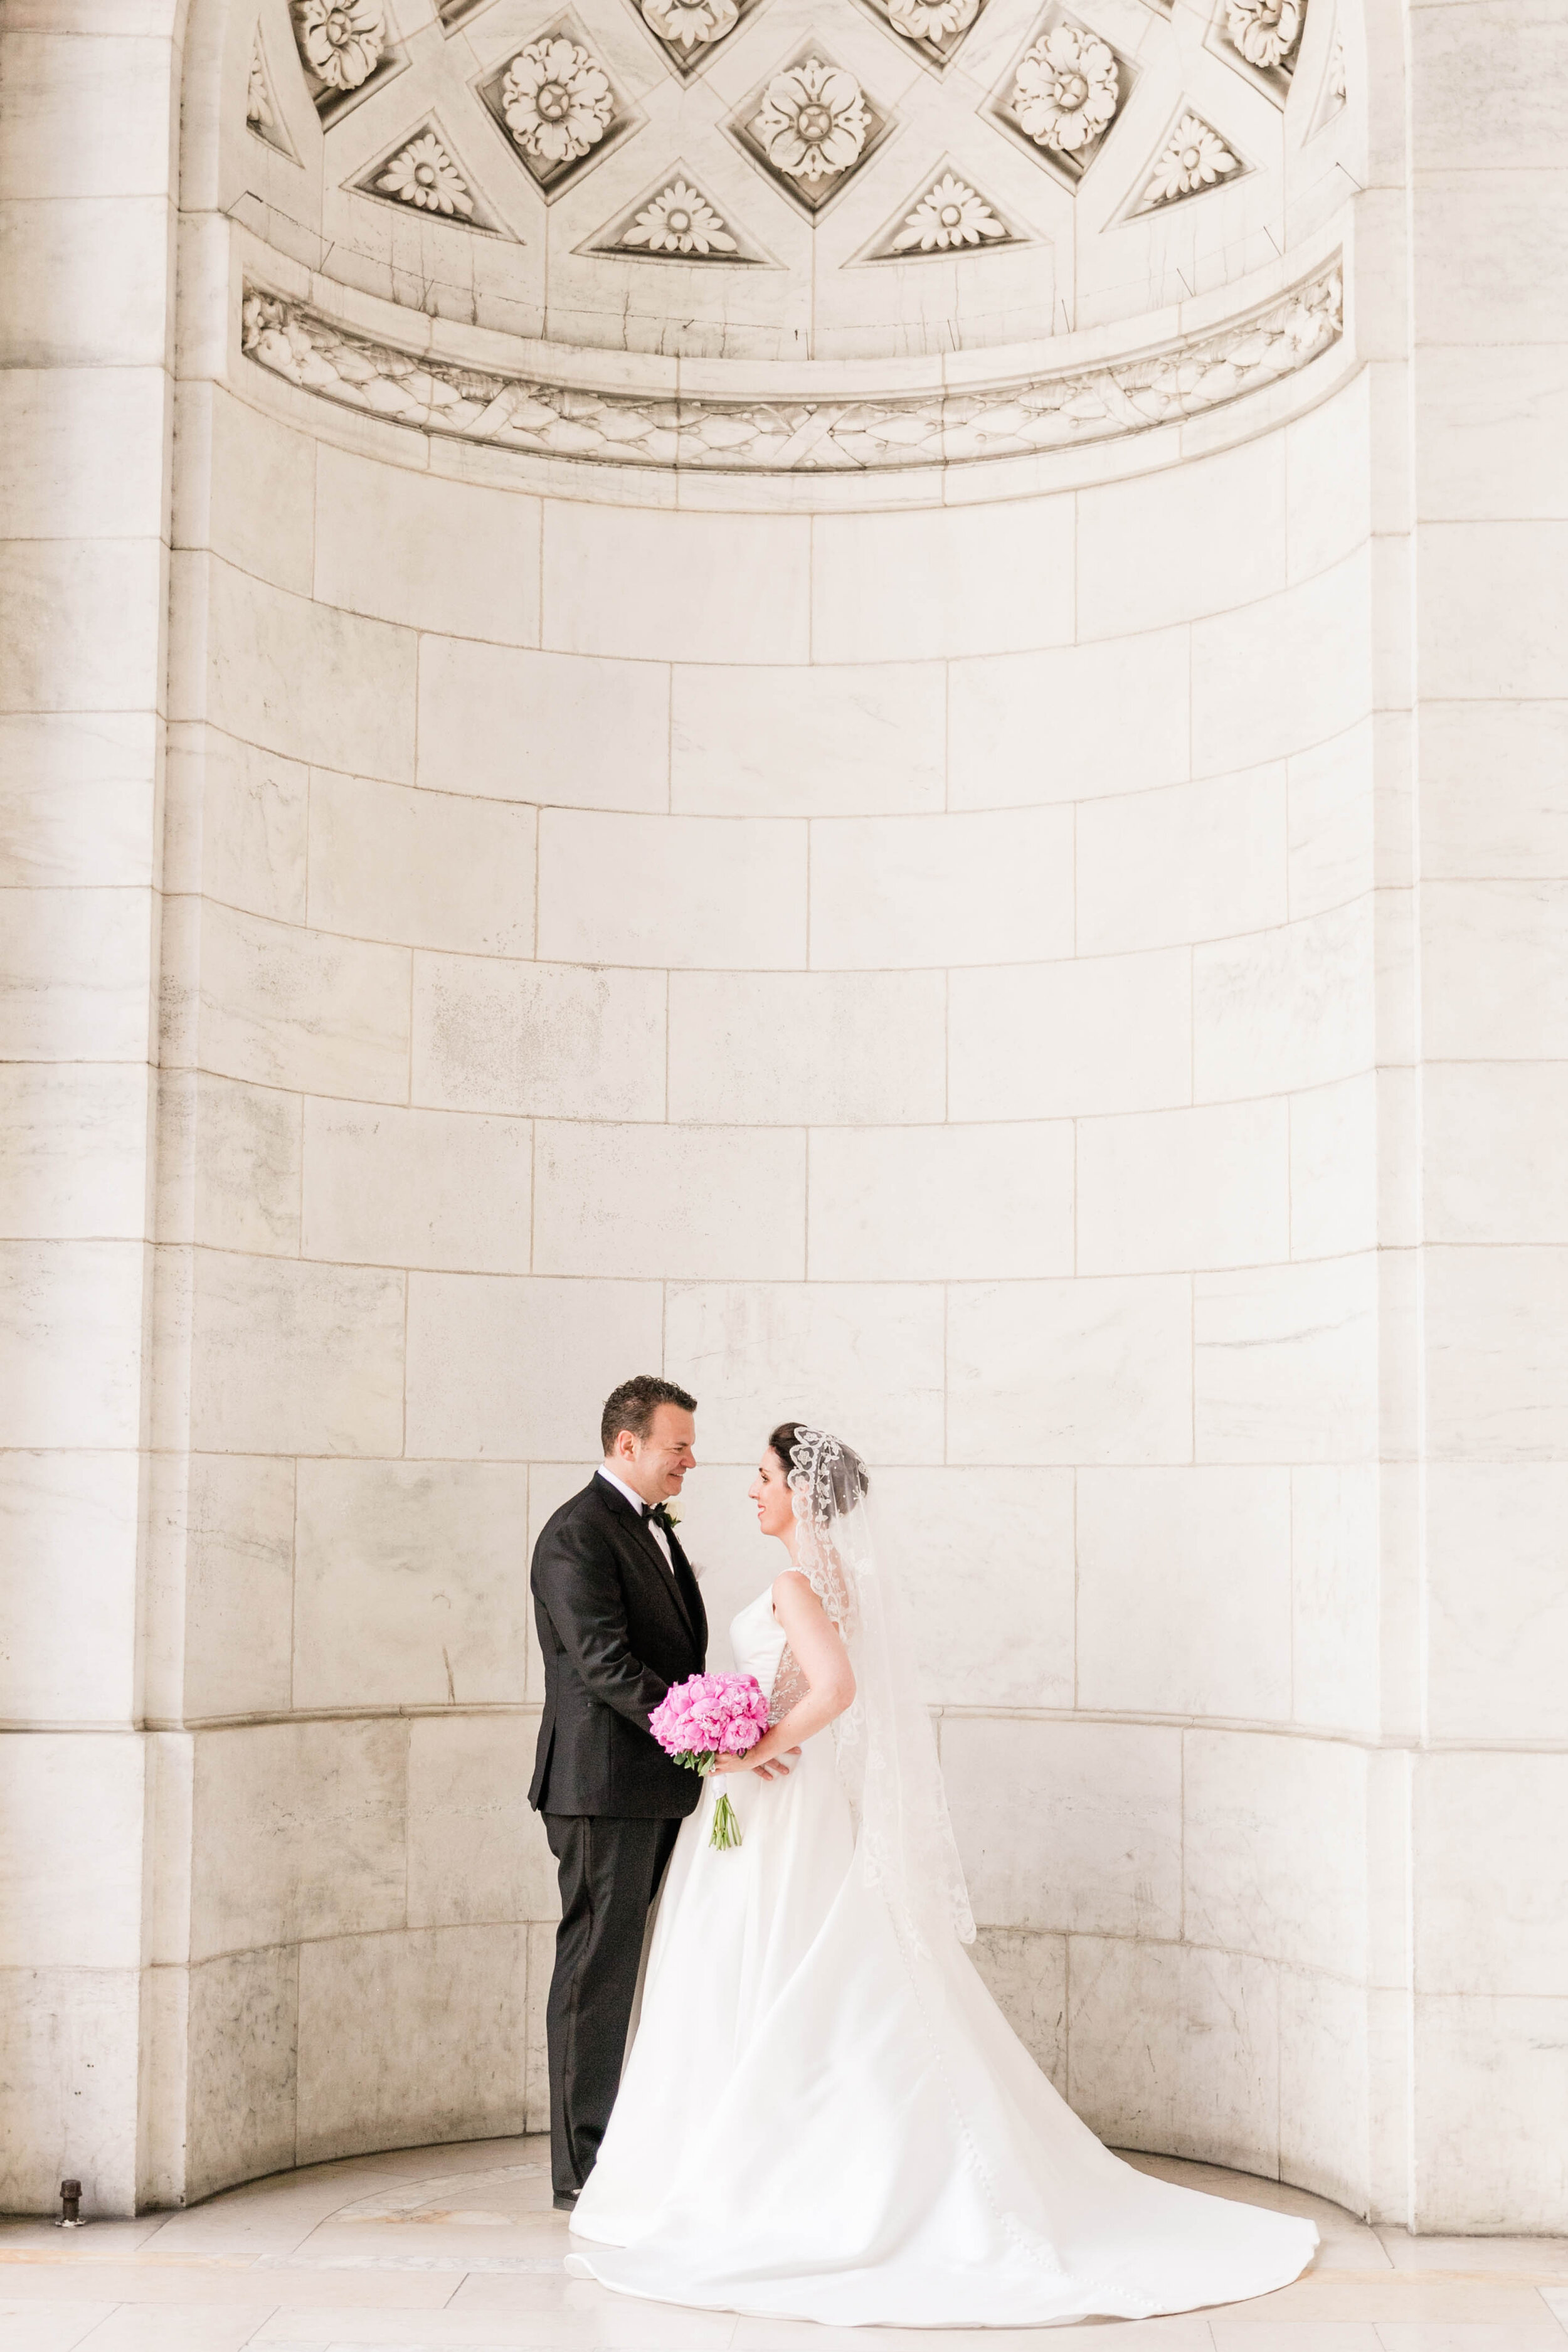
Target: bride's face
(770,1492)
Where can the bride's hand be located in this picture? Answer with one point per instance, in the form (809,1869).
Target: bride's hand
(774,1766)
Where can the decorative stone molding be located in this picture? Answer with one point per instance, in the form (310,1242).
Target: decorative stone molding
(557,106)
(421,174)
(675,221)
(347,49)
(1265,31)
(1263,37)
(691,32)
(795,429)
(1191,159)
(1332,96)
(262,114)
(1058,99)
(948,216)
(810,127)
(934,29)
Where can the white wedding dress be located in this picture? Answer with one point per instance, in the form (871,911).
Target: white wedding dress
(823,2118)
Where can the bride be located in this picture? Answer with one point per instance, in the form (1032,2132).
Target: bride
(824,2115)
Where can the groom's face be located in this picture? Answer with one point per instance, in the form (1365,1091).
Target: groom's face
(659,1462)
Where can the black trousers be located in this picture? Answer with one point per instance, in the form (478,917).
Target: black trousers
(609,1870)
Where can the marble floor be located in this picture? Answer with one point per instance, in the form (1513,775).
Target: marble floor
(457,2249)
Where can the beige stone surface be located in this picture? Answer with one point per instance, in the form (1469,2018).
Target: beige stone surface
(239,1536)
(1211,1635)
(571,730)
(403,2036)
(968,1545)
(410,1583)
(420,868)
(68,1526)
(961,1203)
(296,1358)
(866,740)
(1070,1039)
(786,1049)
(302,1009)
(1051,964)
(689,1202)
(538,1039)
(477,1853)
(244,2024)
(1068,1826)
(385,1186)
(1026,1975)
(1216,2020)
(299,1832)
(515,1369)
(70,1847)
(1083,1370)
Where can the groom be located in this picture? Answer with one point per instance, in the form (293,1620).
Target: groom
(620,1619)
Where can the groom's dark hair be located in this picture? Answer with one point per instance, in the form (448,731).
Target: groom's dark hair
(633,1405)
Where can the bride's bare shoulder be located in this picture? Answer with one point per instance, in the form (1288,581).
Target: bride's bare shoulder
(794,1594)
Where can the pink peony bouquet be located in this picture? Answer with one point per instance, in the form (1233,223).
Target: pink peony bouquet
(707,1716)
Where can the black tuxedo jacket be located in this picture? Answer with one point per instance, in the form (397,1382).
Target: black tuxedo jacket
(617,1631)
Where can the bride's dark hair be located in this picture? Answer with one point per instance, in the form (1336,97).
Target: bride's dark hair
(850,1478)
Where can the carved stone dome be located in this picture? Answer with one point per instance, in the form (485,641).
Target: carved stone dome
(772,179)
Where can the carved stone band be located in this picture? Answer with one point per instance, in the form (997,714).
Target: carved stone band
(796,433)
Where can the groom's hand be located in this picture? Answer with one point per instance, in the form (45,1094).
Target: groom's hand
(776,1767)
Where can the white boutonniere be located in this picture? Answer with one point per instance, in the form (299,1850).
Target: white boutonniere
(671,1517)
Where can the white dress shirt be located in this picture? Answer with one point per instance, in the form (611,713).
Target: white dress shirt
(636,1500)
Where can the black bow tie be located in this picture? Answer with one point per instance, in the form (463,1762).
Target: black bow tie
(656,1517)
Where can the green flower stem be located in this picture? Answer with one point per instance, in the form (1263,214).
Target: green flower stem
(726,1834)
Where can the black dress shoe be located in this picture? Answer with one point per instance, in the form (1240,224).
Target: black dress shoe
(564,2200)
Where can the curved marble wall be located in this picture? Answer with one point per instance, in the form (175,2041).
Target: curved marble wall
(934,952)
(911,967)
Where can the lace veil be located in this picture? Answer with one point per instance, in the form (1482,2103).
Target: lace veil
(886,1752)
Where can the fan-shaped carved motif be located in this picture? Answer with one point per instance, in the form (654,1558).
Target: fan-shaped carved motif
(676,220)
(1191,159)
(946,216)
(263,115)
(1336,84)
(422,174)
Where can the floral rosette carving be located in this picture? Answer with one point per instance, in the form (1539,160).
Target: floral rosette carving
(341,41)
(812,122)
(423,175)
(691,25)
(1265,31)
(948,215)
(1192,157)
(556,100)
(932,20)
(1066,90)
(679,220)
